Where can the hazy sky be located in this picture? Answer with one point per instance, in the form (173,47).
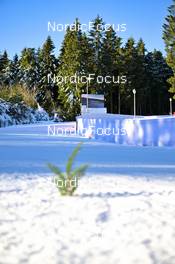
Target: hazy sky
(24,23)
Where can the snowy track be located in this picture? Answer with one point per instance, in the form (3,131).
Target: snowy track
(123,211)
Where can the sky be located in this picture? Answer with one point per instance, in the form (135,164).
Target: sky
(24,23)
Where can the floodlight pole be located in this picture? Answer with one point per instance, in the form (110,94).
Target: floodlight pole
(119,99)
(171,108)
(87,99)
(134,93)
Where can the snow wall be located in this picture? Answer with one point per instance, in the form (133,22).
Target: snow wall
(127,130)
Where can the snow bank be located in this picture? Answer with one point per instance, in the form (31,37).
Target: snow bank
(19,113)
(127,130)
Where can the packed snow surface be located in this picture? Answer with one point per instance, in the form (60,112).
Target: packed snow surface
(123,211)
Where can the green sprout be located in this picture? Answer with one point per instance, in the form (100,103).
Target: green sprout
(67,182)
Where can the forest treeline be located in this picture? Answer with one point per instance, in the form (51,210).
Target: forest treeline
(101,53)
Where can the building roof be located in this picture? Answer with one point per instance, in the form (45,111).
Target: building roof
(93,96)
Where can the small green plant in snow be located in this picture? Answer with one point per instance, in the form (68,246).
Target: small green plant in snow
(67,182)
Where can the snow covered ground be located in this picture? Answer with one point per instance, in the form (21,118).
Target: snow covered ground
(123,211)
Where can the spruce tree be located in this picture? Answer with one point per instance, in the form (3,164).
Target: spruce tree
(4,63)
(157,72)
(139,81)
(13,72)
(28,68)
(4,60)
(130,70)
(96,37)
(111,66)
(86,54)
(47,89)
(169,38)
(71,65)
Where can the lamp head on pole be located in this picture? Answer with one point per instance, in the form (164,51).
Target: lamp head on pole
(134,91)
(170,99)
